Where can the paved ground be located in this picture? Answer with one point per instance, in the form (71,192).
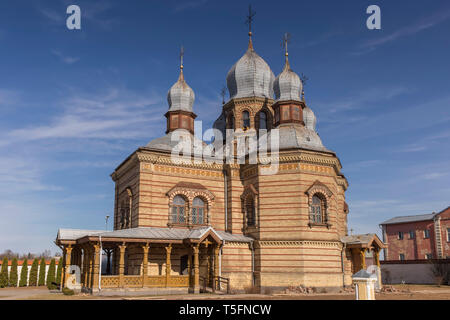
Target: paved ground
(408,292)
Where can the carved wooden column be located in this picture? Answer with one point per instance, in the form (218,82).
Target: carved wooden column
(91,267)
(68,250)
(216,266)
(196,271)
(168,263)
(145,263)
(362,257)
(96,267)
(122,265)
(63,270)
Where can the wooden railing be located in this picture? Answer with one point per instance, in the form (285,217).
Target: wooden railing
(110,281)
(135,281)
(218,283)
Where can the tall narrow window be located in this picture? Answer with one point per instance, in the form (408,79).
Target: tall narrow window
(448,234)
(262,120)
(122,214)
(246,119)
(250,210)
(178,209)
(317,209)
(198,211)
(426,233)
(230,121)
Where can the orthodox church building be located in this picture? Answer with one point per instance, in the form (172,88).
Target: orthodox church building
(199,225)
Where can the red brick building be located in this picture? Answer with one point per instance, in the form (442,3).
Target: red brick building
(419,237)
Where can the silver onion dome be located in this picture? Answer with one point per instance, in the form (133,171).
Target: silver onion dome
(309,118)
(250,76)
(180,95)
(287,86)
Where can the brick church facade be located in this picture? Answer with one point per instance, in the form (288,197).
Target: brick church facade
(200,224)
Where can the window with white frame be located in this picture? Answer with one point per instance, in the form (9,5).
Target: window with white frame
(400,235)
(426,233)
(448,234)
(411,234)
(402,256)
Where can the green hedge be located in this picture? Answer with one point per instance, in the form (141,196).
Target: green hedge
(4,273)
(24,274)
(51,275)
(34,273)
(13,275)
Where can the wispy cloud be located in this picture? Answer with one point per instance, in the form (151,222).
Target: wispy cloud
(64,58)
(20,174)
(422,24)
(365,97)
(115,114)
(91,11)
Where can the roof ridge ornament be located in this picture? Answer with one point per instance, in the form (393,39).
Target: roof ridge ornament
(249,21)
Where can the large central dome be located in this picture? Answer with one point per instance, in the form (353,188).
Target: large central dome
(251,76)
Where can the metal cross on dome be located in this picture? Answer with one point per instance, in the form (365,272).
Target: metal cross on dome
(249,20)
(181,56)
(286,40)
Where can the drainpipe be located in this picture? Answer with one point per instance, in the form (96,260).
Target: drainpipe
(225,182)
(253,262)
(100,266)
(220,258)
(342,264)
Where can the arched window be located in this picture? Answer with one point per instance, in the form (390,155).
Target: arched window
(198,211)
(250,211)
(246,120)
(317,209)
(178,209)
(263,120)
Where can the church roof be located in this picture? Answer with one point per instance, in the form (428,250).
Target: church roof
(250,76)
(362,240)
(151,233)
(287,85)
(169,141)
(293,136)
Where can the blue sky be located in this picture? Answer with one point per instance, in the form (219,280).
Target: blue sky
(74,104)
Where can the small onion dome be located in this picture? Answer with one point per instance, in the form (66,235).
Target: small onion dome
(287,86)
(309,118)
(180,95)
(250,76)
